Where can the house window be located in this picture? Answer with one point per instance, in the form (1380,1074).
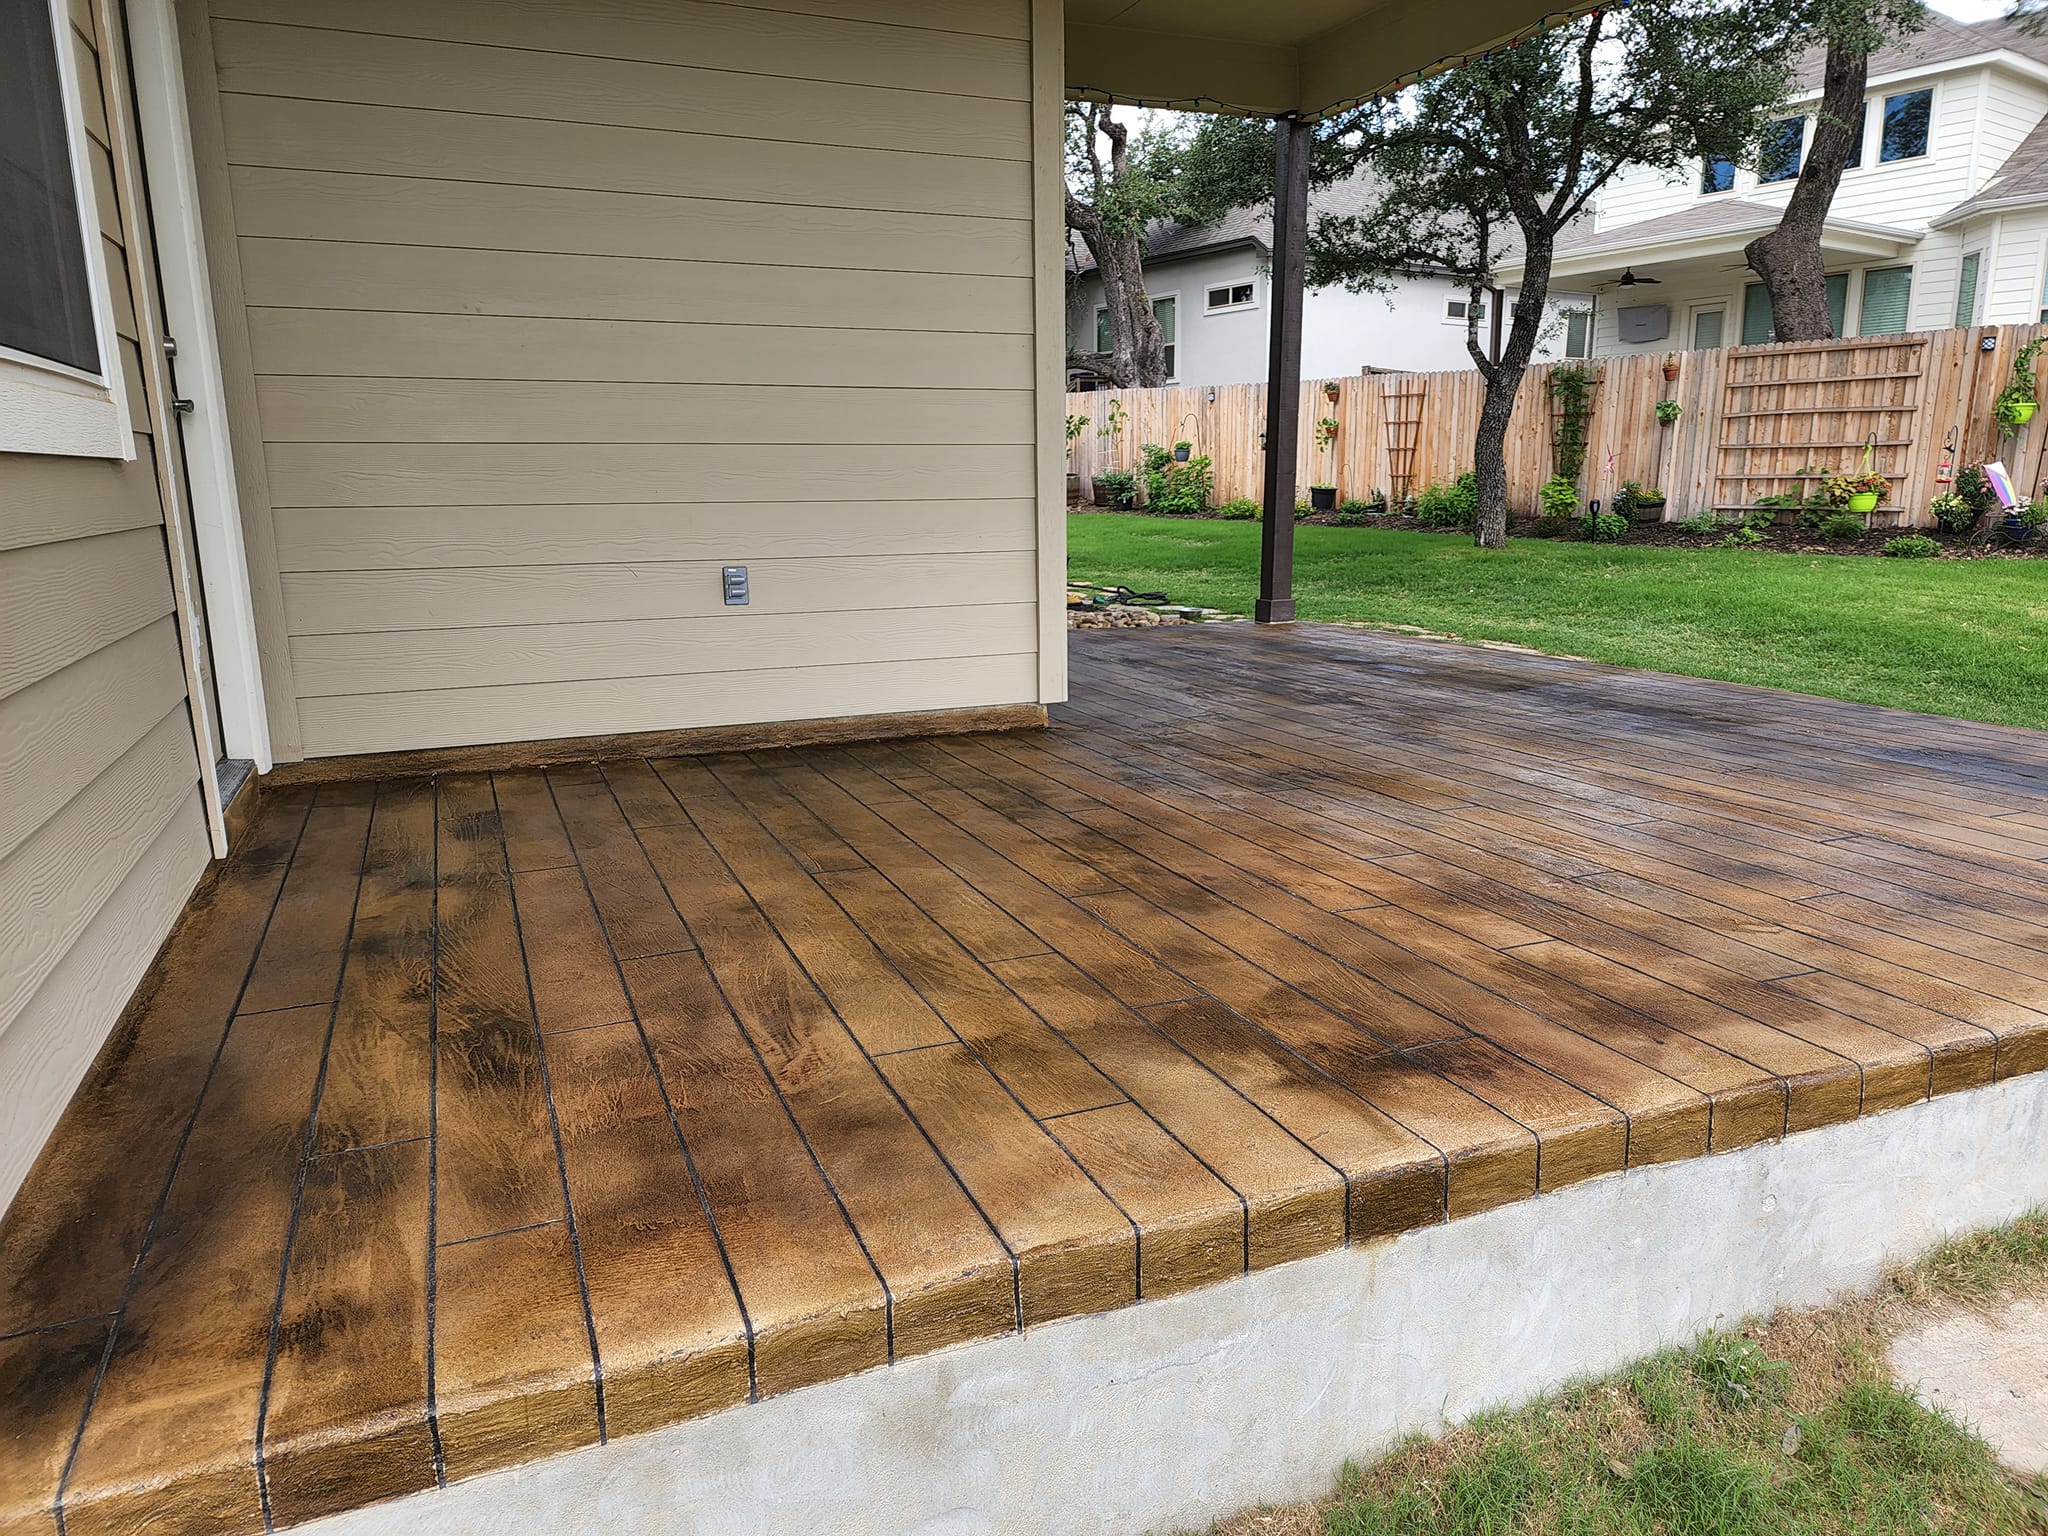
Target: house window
(1966,289)
(1232,296)
(1578,333)
(1905,125)
(1162,310)
(46,301)
(1456,311)
(1708,326)
(1855,155)
(1886,293)
(1717,174)
(1758,323)
(1778,156)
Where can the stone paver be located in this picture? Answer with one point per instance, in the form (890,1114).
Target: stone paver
(1990,1370)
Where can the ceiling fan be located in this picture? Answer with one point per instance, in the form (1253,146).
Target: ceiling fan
(1630,280)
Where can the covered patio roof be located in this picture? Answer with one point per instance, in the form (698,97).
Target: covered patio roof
(1305,57)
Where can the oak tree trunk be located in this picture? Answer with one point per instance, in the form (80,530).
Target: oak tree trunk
(1503,382)
(1788,258)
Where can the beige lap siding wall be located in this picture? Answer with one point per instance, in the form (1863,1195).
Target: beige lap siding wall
(102,830)
(555,307)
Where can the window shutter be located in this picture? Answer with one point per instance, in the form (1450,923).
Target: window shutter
(1886,292)
(1756,315)
(1966,290)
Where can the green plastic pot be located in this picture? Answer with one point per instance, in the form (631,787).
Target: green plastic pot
(1863,501)
(2020,412)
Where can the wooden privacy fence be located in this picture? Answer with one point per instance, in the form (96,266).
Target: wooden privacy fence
(1754,422)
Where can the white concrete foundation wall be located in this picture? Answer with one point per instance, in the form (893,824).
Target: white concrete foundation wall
(1167,1415)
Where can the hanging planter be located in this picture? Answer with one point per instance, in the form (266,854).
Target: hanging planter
(1181,452)
(2017,402)
(1863,501)
(1323,497)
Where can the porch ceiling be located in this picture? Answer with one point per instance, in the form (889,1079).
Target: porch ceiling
(1305,56)
(1663,249)
(622,1093)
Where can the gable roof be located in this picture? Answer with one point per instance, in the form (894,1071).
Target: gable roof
(2021,181)
(1943,40)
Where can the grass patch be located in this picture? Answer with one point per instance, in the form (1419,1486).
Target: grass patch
(1791,1427)
(1951,637)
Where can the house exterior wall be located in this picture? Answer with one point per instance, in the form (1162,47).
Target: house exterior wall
(102,826)
(1341,332)
(554,310)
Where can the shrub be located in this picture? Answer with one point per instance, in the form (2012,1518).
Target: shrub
(1952,512)
(1449,506)
(1171,486)
(1560,498)
(1603,527)
(1841,526)
(1363,509)
(1551,526)
(1976,493)
(1347,518)
(1742,536)
(1240,509)
(1701,523)
(1912,546)
(1304,509)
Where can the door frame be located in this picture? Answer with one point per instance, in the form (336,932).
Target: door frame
(187,297)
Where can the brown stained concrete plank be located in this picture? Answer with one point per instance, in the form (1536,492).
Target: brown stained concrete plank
(379,1064)
(346,1423)
(70,1238)
(1632,1067)
(796,825)
(883,1010)
(979,923)
(1294,1198)
(300,961)
(638,917)
(45,1379)
(496,1166)
(1191,1225)
(534,835)
(513,1376)
(1048,1076)
(669,1329)
(271,837)
(1961,1055)
(947,1276)
(641,793)
(173,1427)
(1076,1252)
(575,980)
(1577,1136)
(1055,922)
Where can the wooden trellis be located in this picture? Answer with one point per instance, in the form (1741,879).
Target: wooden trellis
(1792,415)
(1402,397)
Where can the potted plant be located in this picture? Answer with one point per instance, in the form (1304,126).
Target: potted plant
(2017,402)
(1952,512)
(1181,451)
(1856,493)
(1324,497)
(1330,393)
(1670,374)
(1075,426)
(1116,488)
(2023,523)
(1669,411)
(1639,503)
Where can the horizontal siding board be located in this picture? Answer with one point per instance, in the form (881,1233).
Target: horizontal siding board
(44,1053)
(438,280)
(61,733)
(447,538)
(65,601)
(322,410)
(399,141)
(54,883)
(87,64)
(541,474)
(363,343)
(403,661)
(467,716)
(404,210)
(106,202)
(48,498)
(357,602)
(372,70)
(784,43)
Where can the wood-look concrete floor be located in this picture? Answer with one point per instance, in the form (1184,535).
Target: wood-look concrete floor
(467,1121)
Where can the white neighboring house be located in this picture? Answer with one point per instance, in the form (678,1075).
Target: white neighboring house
(1941,219)
(1208,286)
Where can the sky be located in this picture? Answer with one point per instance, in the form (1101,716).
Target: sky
(1971,10)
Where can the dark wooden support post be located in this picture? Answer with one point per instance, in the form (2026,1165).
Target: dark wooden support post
(1283,369)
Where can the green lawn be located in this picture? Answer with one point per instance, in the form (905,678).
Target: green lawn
(1951,637)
